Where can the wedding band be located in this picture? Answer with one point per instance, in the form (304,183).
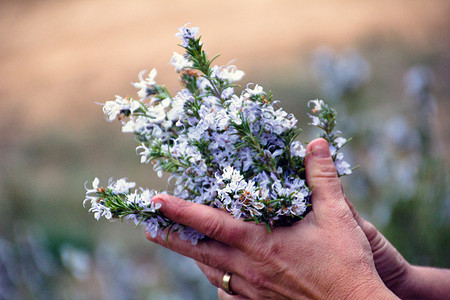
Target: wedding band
(226,284)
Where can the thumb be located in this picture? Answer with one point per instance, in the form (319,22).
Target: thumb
(327,196)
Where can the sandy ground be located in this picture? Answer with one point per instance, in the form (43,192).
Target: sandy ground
(58,57)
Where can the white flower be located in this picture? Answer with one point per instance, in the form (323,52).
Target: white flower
(189,234)
(95,184)
(185,34)
(333,150)
(121,186)
(298,207)
(316,121)
(145,85)
(100,211)
(91,191)
(135,125)
(144,152)
(153,207)
(146,197)
(177,110)
(158,112)
(180,62)
(232,174)
(236,210)
(113,108)
(133,198)
(257,90)
(339,142)
(227,93)
(152,227)
(234,109)
(297,149)
(317,105)
(342,167)
(230,73)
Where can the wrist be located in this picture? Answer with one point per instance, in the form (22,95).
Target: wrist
(426,283)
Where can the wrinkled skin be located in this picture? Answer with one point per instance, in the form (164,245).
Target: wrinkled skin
(405,280)
(326,255)
(390,264)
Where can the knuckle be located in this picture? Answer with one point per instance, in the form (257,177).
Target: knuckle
(206,259)
(213,227)
(344,215)
(325,170)
(177,213)
(340,218)
(174,208)
(331,185)
(266,250)
(257,280)
(239,235)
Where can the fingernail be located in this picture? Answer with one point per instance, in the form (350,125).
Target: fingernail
(321,150)
(157,200)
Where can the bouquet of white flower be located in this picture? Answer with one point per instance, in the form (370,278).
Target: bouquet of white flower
(236,153)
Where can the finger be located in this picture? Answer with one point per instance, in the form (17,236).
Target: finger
(209,252)
(224,296)
(237,284)
(327,197)
(369,229)
(212,222)
(388,261)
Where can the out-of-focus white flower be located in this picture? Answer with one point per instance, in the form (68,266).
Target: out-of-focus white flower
(257,90)
(135,125)
(418,81)
(78,261)
(185,34)
(342,167)
(340,141)
(180,62)
(317,105)
(145,86)
(230,73)
(120,105)
(418,85)
(340,74)
(315,121)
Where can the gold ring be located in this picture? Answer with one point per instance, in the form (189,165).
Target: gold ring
(226,284)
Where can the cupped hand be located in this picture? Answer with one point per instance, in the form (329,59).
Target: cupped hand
(390,264)
(326,255)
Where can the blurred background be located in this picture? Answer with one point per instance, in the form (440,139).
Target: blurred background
(384,65)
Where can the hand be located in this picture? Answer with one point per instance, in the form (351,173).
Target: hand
(326,255)
(390,264)
(405,280)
